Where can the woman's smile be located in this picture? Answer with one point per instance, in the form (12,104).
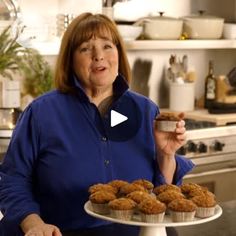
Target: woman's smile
(98,69)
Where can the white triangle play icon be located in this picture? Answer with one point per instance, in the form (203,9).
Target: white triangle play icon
(117,118)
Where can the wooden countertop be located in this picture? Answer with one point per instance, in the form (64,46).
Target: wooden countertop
(204,115)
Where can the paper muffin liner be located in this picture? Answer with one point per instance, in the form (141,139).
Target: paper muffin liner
(136,210)
(122,214)
(167,126)
(152,218)
(182,216)
(204,212)
(167,211)
(100,208)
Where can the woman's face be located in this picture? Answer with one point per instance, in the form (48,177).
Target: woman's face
(95,63)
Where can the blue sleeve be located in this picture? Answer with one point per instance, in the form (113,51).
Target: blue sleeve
(183,166)
(16,187)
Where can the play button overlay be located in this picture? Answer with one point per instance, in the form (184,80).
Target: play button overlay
(123,121)
(117,118)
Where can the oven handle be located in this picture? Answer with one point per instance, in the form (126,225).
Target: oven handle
(211,172)
(214,159)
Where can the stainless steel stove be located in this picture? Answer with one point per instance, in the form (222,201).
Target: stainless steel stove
(213,151)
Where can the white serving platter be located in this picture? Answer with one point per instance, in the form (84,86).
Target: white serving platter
(149,229)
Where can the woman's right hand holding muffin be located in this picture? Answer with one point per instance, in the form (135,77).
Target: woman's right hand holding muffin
(167,143)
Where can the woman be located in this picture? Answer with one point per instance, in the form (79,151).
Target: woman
(63,142)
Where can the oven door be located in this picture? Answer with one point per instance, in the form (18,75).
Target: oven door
(219,177)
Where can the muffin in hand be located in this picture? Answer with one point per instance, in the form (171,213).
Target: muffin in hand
(167,121)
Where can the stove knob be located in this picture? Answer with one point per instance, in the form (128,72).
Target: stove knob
(202,147)
(191,146)
(182,151)
(218,146)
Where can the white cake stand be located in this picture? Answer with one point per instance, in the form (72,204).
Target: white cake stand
(152,229)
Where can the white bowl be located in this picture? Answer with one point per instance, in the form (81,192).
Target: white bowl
(130,32)
(229,31)
(203,27)
(161,27)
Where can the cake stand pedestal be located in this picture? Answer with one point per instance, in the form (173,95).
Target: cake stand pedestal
(152,229)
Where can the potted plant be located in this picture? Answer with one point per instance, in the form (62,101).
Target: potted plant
(28,63)
(38,76)
(10,54)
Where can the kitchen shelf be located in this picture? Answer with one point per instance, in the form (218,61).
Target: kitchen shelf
(52,47)
(180,44)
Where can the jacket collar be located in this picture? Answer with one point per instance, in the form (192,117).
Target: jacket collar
(120,86)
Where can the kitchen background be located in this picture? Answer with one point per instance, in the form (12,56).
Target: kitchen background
(41,16)
(213,150)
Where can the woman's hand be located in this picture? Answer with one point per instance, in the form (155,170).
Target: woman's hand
(169,142)
(33,225)
(44,230)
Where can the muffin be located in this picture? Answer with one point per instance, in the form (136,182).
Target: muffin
(101,187)
(159,189)
(188,187)
(128,188)
(99,201)
(169,195)
(139,196)
(202,191)
(205,205)
(145,183)
(122,208)
(182,210)
(118,183)
(167,122)
(152,210)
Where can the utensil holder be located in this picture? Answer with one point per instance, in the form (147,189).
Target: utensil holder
(182,96)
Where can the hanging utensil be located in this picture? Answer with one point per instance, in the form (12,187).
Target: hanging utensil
(185,63)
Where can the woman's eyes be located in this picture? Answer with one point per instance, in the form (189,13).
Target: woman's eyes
(90,48)
(107,46)
(84,49)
